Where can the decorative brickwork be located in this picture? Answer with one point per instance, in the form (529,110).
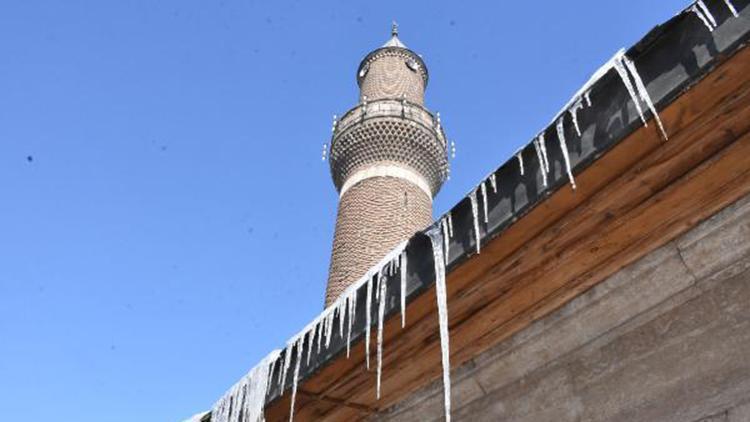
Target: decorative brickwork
(392,72)
(374,216)
(389,152)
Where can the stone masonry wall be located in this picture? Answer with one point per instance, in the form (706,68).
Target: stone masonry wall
(373,217)
(665,339)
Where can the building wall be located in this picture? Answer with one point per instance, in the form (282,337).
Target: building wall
(665,339)
(373,217)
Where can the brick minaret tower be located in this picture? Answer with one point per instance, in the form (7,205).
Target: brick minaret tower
(388,160)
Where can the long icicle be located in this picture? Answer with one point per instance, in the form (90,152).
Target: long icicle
(296,378)
(539,157)
(248,395)
(731,8)
(446,237)
(622,71)
(483,189)
(310,339)
(352,302)
(543,147)
(368,310)
(564,148)
(707,12)
(442,304)
(694,8)
(643,93)
(475,214)
(403,288)
(381,315)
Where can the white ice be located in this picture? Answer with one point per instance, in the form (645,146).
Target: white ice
(475,214)
(442,304)
(483,188)
(564,148)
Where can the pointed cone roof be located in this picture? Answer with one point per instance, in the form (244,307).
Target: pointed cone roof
(394,41)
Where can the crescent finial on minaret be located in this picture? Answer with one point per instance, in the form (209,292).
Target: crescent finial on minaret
(394,29)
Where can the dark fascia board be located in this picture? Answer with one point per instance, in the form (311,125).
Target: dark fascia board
(670,59)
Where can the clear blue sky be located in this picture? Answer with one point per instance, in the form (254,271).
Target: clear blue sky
(165,218)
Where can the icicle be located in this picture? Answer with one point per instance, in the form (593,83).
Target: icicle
(352,301)
(329,326)
(272,369)
(543,148)
(403,288)
(450,223)
(446,237)
(381,314)
(643,93)
(248,395)
(483,188)
(574,114)
(540,158)
(564,148)
(442,304)
(368,310)
(519,157)
(287,362)
(706,13)
(310,335)
(587,97)
(701,16)
(295,379)
(731,8)
(620,68)
(319,328)
(340,310)
(475,213)
(493,182)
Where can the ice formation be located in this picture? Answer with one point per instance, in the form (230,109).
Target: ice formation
(574,114)
(295,377)
(493,182)
(247,397)
(442,304)
(731,8)
(626,69)
(381,313)
(564,148)
(700,9)
(519,157)
(475,214)
(643,93)
(403,288)
(445,226)
(541,158)
(483,188)
(368,315)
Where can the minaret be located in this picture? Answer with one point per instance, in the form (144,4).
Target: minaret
(388,160)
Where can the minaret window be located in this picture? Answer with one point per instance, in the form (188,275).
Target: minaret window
(412,65)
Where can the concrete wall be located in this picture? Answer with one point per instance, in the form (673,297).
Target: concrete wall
(664,339)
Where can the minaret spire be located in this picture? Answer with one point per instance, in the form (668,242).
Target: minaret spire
(394,29)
